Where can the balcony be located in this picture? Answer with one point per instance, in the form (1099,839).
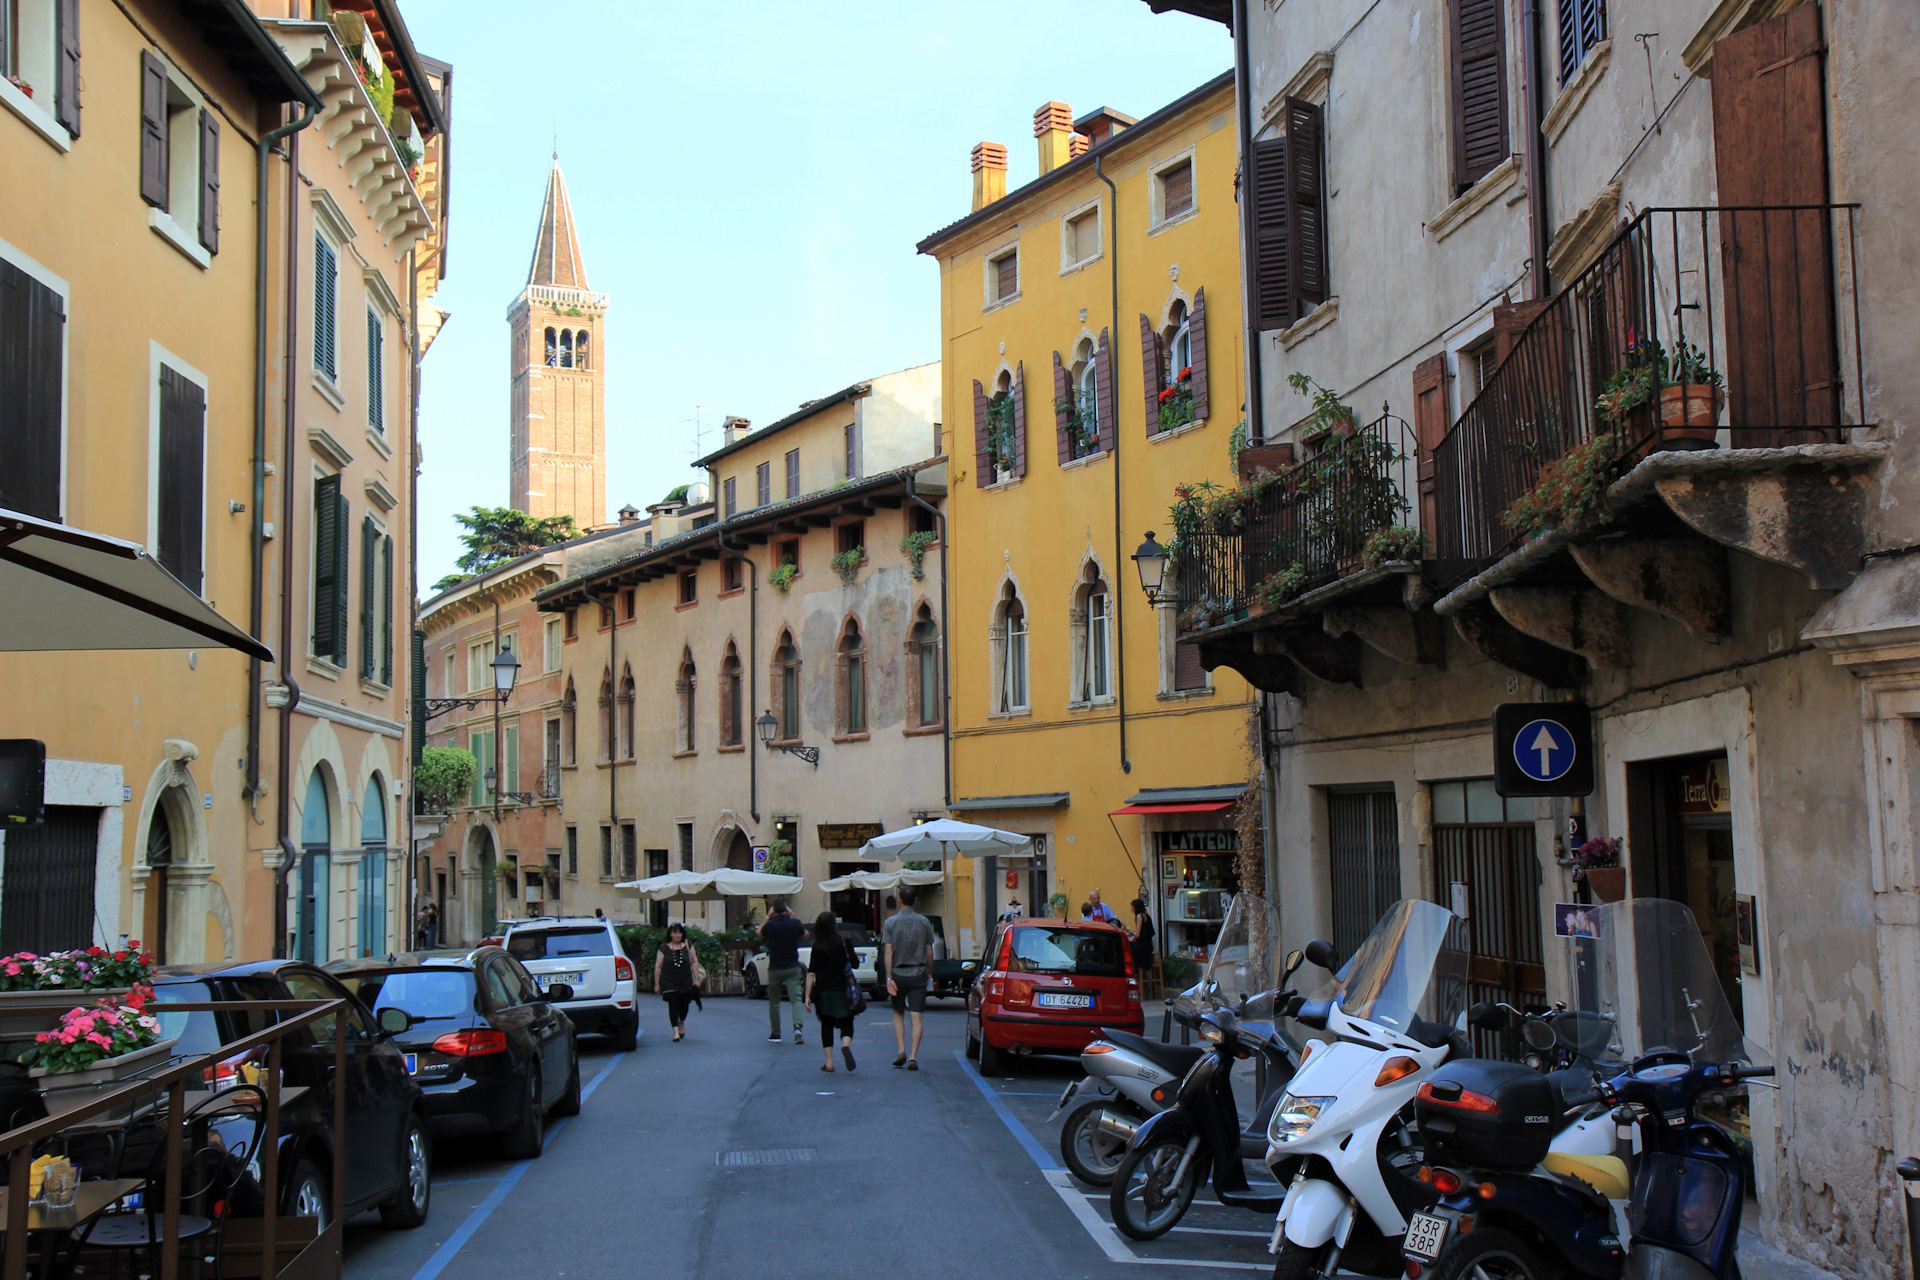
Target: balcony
(548,785)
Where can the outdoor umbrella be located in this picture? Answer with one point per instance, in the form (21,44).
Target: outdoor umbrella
(881,881)
(70,589)
(944,838)
(711,886)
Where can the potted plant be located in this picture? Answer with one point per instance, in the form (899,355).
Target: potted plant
(1691,394)
(94,1049)
(1176,401)
(21,85)
(847,563)
(1598,863)
(781,576)
(915,545)
(1395,542)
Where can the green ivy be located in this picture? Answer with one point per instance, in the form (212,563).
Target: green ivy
(847,563)
(781,576)
(915,545)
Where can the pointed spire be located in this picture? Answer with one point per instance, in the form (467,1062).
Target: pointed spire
(556,250)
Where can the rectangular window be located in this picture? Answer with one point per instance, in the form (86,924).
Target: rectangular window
(1176,189)
(326,272)
(332,532)
(626,605)
(1583,24)
(786,551)
(856,692)
(606,853)
(1479,89)
(376,390)
(40,46)
(181,479)
(684,832)
(689,586)
(732,575)
(480,656)
(447,689)
(851,536)
(656,862)
(573,851)
(1004,272)
(509,758)
(1187,671)
(33,323)
(629,853)
(726,489)
(1080,239)
(481,745)
(550,654)
(920,520)
(793,473)
(370,538)
(763,483)
(853,457)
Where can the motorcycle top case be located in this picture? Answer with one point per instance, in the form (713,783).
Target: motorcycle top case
(1486,1115)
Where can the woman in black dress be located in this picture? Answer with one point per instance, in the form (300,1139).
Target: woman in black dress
(827,971)
(1142,938)
(676,975)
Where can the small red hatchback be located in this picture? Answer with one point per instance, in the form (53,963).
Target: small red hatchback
(1048,986)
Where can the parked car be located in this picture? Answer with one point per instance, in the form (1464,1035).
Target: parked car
(490,1050)
(584,953)
(866,950)
(388,1148)
(949,976)
(1048,986)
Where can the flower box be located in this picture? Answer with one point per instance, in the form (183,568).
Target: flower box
(65,1090)
(1609,884)
(1689,416)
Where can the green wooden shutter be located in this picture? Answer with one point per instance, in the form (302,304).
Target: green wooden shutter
(369,584)
(327,535)
(376,390)
(342,553)
(386,611)
(325,283)
(420,697)
(477,744)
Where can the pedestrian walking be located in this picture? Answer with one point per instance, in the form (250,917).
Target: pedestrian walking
(1142,938)
(829,989)
(677,976)
(907,940)
(426,927)
(783,935)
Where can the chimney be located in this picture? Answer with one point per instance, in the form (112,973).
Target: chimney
(733,428)
(1102,123)
(1053,126)
(1077,145)
(629,515)
(989,173)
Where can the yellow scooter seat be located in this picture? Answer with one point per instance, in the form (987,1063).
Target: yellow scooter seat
(1605,1174)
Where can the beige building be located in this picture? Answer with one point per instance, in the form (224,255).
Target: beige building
(792,593)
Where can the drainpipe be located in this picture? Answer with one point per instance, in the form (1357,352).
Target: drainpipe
(414,886)
(1119,545)
(1535,159)
(946,685)
(257,605)
(746,731)
(1243,95)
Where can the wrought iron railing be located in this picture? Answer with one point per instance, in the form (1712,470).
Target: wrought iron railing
(1279,536)
(1699,326)
(549,784)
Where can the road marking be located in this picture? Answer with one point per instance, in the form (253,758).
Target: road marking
(482,1211)
(1222,1231)
(455,1182)
(1019,1131)
(1098,1227)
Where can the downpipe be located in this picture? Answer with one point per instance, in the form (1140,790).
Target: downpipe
(1119,541)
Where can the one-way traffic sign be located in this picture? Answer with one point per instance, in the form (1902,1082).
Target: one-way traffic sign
(1543,749)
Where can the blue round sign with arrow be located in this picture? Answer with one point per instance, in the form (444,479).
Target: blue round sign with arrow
(1543,749)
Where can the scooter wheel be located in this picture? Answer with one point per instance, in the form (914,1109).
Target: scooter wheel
(1090,1153)
(1143,1197)
(1299,1263)
(1488,1253)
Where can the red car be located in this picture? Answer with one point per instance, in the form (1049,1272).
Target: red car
(1048,986)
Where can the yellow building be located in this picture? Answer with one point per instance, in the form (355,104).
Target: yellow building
(1093,350)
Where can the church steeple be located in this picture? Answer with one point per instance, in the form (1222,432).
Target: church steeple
(559,442)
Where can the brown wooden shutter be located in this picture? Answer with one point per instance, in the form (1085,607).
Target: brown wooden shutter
(210,185)
(1429,429)
(1479,89)
(153,130)
(1153,374)
(1770,149)
(982,447)
(1020,419)
(66,94)
(1509,321)
(369,584)
(327,535)
(1176,190)
(181,482)
(1197,346)
(1062,417)
(1272,283)
(1103,391)
(1187,671)
(32,374)
(1306,206)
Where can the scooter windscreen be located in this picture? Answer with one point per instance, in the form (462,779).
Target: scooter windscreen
(1643,966)
(1243,964)
(1410,975)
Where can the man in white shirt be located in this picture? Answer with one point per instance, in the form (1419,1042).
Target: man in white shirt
(1100,910)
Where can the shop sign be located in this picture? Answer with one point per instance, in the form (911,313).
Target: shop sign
(847,835)
(1744,929)
(1703,787)
(1543,749)
(1198,841)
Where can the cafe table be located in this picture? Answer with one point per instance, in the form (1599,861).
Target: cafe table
(49,1225)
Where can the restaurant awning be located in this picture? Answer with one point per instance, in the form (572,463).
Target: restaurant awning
(1209,807)
(1040,800)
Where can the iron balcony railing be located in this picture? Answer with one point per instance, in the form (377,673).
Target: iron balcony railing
(549,784)
(1276,537)
(1698,327)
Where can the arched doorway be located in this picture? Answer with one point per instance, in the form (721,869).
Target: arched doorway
(316,844)
(373,869)
(484,858)
(740,858)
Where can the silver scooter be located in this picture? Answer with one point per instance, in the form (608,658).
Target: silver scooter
(1128,1078)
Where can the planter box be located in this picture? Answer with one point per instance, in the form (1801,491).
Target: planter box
(15,1025)
(65,1090)
(1609,884)
(1688,415)
(1258,458)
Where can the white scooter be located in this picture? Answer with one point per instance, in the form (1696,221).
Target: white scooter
(1341,1141)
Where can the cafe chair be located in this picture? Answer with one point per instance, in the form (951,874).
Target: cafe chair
(1151,985)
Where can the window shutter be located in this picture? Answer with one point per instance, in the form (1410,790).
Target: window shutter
(369,550)
(66,97)
(386,611)
(209,181)
(153,130)
(324,284)
(326,536)
(1272,287)
(1306,207)
(1187,671)
(1103,390)
(1197,345)
(419,692)
(342,553)
(1020,419)
(181,480)
(1153,373)
(32,324)
(1479,89)
(982,451)
(1429,429)
(376,374)
(1062,416)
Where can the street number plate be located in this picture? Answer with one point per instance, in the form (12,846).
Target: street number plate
(412,1061)
(1063,1000)
(1425,1234)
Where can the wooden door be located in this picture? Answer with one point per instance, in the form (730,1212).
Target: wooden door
(48,902)
(1499,868)
(1364,844)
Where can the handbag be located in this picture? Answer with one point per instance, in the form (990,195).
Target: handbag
(856,995)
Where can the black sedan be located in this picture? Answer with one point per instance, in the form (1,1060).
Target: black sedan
(489,1050)
(389,1153)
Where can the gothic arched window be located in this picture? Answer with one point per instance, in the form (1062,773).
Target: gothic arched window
(626,713)
(923,670)
(566,348)
(852,679)
(553,349)
(731,702)
(786,674)
(606,715)
(683,688)
(580,350)
(569,725)
(1008,639)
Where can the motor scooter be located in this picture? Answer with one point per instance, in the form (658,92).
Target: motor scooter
(1523,1206)
(1128,1078)
(1171,1155)
(1341,1141)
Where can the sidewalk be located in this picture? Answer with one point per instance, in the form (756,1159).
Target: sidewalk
(1761,1261)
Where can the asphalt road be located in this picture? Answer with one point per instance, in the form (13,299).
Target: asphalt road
(729,1156)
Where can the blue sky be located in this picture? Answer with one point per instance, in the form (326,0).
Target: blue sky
(748,181)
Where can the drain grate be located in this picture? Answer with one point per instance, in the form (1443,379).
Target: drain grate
(767,1155)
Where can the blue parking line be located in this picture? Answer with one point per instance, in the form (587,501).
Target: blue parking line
(457,1182)
(458,1240)
(1041,1156)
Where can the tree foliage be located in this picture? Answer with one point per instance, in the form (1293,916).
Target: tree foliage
(445,774)
(495,535)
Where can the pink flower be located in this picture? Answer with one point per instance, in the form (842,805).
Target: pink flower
(101,1040)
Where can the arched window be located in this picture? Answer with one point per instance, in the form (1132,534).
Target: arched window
(569,725)
(1084,427)
(373,869)
(1179,343)
(1009,640)
(1090,632)
(606,715)
(316,884)
(730,698)
(786,667)
(566,348)
(852,662)
(553,349)
(626,713)
(923,670)
(683,687)
(580,350)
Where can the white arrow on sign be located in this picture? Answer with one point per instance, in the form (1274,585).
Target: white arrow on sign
(1543,743)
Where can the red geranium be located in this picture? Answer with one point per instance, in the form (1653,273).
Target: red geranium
(1186,373)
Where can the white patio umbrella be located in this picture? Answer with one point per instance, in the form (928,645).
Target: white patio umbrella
(711,886)
(881,881)
(944,838)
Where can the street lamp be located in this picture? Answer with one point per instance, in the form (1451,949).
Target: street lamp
(1151,561)
(766,726)
(506,669)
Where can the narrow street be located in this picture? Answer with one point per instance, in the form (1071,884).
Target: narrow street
(880,1173)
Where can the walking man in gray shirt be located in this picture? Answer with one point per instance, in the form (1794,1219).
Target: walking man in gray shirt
(907,942)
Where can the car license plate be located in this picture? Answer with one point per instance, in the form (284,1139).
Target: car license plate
(413,1062)
(1063,1000)
(545,979)
(1425,1234)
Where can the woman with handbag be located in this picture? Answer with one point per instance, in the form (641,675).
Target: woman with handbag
(831,984)
(677,976)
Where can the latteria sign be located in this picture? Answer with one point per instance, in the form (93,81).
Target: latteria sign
(847,835)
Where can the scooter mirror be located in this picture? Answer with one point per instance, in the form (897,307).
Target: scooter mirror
(1487,1015)
(1323,954)
(1294,959)
(1539,1033)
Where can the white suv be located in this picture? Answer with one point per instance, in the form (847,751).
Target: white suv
(585,953)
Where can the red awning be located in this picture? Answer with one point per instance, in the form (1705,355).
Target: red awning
(1207,807)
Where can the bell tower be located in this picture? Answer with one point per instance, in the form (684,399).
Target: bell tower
(559,437)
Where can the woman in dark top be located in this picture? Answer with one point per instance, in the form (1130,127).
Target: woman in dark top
(676,974)
(827,987)
(1142,938)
